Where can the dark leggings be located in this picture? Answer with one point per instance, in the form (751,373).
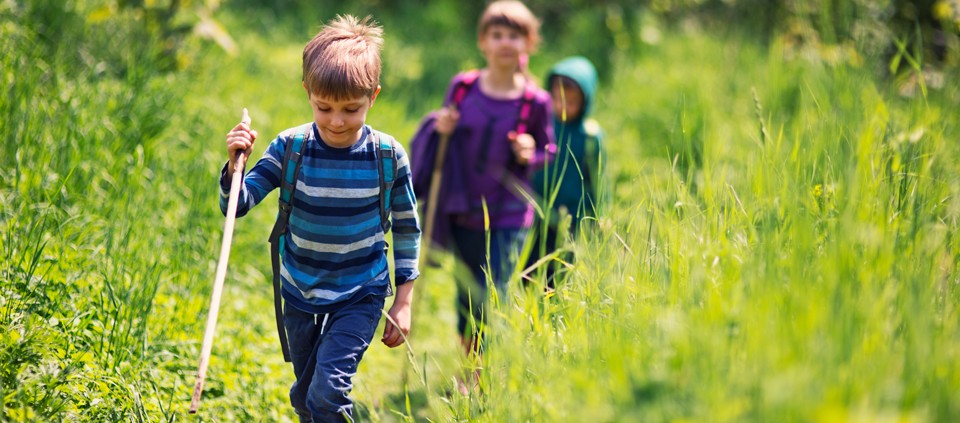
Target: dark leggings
(471,249)
(545,241)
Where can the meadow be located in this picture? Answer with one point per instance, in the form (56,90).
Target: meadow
(779,243)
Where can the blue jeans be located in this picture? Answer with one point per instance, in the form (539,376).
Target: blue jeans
(326,350)
(471,249)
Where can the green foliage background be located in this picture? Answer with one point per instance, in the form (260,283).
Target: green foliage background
(781,242)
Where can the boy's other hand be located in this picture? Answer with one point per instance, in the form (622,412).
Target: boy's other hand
(523,146)
(447,119)
(240,139)
(397,326)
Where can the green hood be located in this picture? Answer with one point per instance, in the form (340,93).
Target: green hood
(579,69)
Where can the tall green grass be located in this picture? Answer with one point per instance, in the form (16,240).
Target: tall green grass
(95,219)
(805,270)
(781,242)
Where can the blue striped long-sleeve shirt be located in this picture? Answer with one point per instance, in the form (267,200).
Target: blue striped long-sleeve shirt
(334,251)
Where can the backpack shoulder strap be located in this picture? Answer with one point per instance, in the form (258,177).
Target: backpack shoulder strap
(591,129)
(526,104)
(467,81)
(387,168)
(289,169)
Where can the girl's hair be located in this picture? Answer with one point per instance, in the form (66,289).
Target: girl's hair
(512,14)
(343,60)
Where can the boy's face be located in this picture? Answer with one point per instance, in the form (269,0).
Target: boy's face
(567,99)
(502,46)
(341,121)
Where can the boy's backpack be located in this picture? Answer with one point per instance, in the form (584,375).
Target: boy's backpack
(289,169)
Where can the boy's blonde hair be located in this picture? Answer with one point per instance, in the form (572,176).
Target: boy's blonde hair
(343,60)
(512,14)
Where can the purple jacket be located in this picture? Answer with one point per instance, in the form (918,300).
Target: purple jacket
(480,164)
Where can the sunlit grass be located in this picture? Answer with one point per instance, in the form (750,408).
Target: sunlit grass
(789,277)
(781,245)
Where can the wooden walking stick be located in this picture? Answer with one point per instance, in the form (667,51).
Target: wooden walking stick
(221,274)
(435,180)
(467,81)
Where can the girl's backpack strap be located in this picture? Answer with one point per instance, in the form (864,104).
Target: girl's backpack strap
(467,80)
(526,106)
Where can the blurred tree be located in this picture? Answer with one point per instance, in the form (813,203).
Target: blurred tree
(107,35)
(927,29)
(921,24)
(597,30)
(428,41)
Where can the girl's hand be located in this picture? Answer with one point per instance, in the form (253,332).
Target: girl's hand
(447,119)
(523,147)
(240,139)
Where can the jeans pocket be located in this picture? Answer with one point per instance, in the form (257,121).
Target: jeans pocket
(376,309)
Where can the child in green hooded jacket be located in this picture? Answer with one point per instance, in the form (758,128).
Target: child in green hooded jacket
(575,174)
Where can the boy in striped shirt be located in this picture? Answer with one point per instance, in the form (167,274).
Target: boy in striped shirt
(334,268)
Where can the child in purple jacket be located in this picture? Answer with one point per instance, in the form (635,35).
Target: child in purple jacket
(499,132)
